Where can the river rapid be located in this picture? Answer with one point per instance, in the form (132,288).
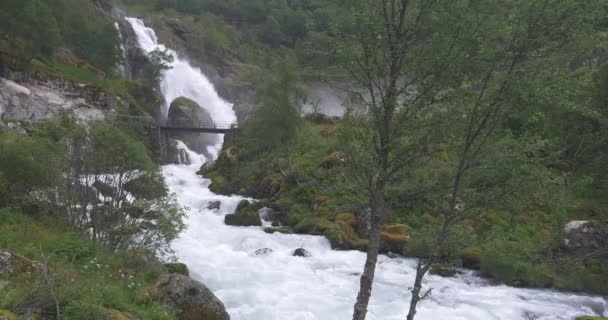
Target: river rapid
(279,286)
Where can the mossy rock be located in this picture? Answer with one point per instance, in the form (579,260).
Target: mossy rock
(443,270)
(112,314)
(591,318)
(471,257)
(347,218)
(334,160)
(245,218)
(178,268)
(284,230)
(394,237)
(218,182)
(7,315)
(12,265)
(313,225)
(342,236)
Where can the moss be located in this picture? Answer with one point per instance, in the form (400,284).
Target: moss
(285,230)
(347,218)
(313,225)
(591,318)
(7,315)
(443,270)
(112,314)
(244,218)
(218,182)
(179,268)
(342,236)
(471,257)
(394,237)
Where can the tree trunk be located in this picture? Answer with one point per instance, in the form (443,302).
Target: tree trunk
(421,271)
(373,247)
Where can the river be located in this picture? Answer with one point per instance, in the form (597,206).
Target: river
(279,286)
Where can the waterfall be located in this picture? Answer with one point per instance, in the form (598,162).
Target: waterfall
(185,80)
(279,286)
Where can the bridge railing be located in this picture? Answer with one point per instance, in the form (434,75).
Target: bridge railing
(199,124)
(174,123)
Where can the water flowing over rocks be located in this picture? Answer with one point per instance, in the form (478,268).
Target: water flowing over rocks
(324,285)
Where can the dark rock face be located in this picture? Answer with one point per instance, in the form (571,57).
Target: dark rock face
(178,268)
(585,237)
(301,252)
(191,300)
(242,204)
(185,112)
(214,205)
(263,252)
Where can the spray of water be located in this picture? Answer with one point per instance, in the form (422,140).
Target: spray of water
(279,286)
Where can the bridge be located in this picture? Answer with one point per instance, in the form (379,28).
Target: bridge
(198,127)
(159,132)
(181,126)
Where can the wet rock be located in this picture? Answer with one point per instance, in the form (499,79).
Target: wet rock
(443,270)
(243,219)
(584,237)
(342,236)
(189,299)
(285,230)
(242,204)
(214,205)
(178,268)
(301,252)
(471,257)
(263,252)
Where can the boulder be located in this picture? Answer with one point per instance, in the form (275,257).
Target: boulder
(301,252)
(214,205)
(185,112)
(394,237)
(585,237)
(244,218)
(263,252)
(189,299)
(342,236)
(242,204)
(320,118)
(313,225)
(12,265)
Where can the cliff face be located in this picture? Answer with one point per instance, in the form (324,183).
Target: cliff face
(41,96)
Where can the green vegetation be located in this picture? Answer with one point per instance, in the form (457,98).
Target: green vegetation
(38,28)
(87,280)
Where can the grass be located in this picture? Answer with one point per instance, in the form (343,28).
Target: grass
(84,75)
(87,279)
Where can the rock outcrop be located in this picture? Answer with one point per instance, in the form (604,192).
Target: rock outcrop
(12,265)
(586,237)
(185,112)
(44,96)
(189,299)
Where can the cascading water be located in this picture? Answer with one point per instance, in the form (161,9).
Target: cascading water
(323,286)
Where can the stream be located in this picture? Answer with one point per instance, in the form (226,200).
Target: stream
(279,286)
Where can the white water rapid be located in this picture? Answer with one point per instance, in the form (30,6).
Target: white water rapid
(279,286)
